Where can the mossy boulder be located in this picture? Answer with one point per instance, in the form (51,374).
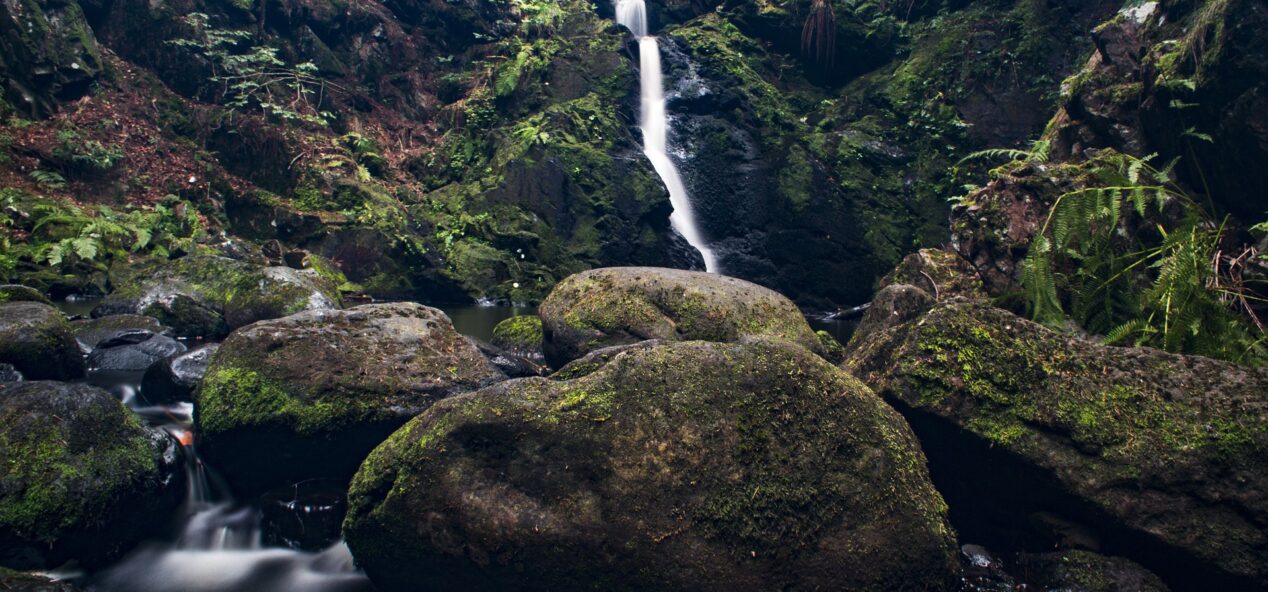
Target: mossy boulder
(309,395)
(274,292)
(1084,571)
(940,273)
(37,340)
(208,295)
(619,305)
(894,305)
(80,477)
(520,333)
(20,293)
(673,466)
(1161,455)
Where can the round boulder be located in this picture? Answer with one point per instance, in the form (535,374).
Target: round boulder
(80,477)
(678,466)
(309,395)
(619,305)
(275,292)
(36,339)
(521,334)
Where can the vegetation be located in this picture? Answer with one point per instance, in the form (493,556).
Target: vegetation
(38,230)
(1132,256)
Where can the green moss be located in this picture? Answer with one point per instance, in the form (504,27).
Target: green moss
(522,332)
(234,399)
(54,466)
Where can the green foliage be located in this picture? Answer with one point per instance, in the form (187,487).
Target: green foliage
(60,234)
(1101,258)
(80,156)
(254,77)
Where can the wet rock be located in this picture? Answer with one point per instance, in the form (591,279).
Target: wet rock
(1083,571)
(207,296)
(1160,457)
(133,351)
(605,307)
(676,466)
(520,333)
(36,339)
(275,292)
(90,332)
(513,365)
(81,478)
(305,516)
(16,581)
(309,395)
(18,293)
(175,378)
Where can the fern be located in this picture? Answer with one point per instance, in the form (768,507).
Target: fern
(1084,264)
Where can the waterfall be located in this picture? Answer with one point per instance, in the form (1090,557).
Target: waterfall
(632,14)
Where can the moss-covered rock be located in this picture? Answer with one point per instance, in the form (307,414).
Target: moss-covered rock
(613,306)
(207,295)
(679,466)
(1083,571)
(37,340)
(80,478)
(49,54)
(894,305)
(19,293)
(940,273)
(832,349)
(521,333)
(1163,452)
(309,395)
(15,581)
(275,292)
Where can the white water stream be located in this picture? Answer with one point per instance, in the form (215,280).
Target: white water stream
(632,14)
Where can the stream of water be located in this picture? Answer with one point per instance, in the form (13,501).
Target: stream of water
(654,120)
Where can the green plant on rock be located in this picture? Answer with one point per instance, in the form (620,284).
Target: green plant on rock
(251,76)
(1130,255)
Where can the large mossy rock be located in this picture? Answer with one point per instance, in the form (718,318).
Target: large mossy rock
(619,305)
(309,395)
(37,340)
(678,466)
(80,477)
(207,295)
(20,293)
(48,54)
(1163,457)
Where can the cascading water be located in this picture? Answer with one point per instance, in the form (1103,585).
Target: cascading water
(632,14)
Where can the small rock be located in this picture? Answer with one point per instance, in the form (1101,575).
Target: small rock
(133,351)
(174,378)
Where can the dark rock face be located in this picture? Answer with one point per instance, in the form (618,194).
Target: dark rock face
(207,296)
(621,305)
(81,478)
(91,332)
(679,466)
(309,395)
(1159,456)
(174,378)
(48,54)
(36,339)
(133,351)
